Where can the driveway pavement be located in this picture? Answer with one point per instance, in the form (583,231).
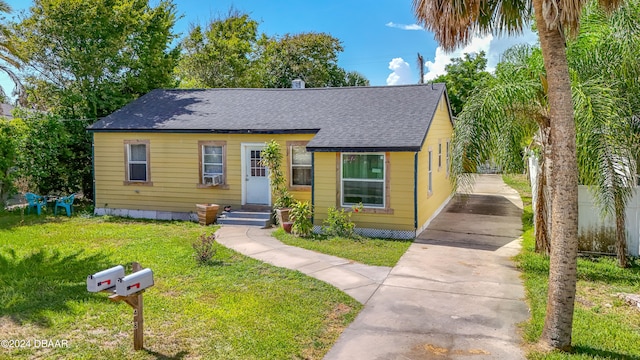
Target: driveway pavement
(455,294)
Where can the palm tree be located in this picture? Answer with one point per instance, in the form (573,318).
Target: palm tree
(454,23)
(506,116)
(607,53)
(9,60)
(511,110)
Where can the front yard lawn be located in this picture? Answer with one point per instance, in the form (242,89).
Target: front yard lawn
(239,308)
(378,252)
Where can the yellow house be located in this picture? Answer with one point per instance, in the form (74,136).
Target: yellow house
(385,147)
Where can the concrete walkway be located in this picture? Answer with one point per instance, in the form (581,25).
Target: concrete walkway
(454,294)
(358,280)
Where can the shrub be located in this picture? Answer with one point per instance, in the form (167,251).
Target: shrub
(272,158)
(204,248)
(338,222)
(301,213)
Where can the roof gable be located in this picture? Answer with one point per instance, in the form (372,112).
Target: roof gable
(351,118)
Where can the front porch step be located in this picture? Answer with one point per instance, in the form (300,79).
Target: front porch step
(250,218)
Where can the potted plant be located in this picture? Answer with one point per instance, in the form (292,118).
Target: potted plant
(272,158)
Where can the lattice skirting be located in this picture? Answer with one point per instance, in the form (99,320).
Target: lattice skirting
(378,233)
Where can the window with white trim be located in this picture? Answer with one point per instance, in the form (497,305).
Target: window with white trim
(439,156)
(137,167)
(300,165)
(430,188)
(212,163)
(363,179)
(448,155)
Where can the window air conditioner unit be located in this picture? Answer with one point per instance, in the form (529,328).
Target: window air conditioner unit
(213,180)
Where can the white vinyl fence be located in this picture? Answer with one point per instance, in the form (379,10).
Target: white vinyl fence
(589,216)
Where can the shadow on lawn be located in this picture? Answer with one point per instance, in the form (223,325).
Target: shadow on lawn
(586,350)
(44,281)
(159,356)
(600,269)
(15,218)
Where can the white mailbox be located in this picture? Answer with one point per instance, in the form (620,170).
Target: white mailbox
(135,282)
(104,279)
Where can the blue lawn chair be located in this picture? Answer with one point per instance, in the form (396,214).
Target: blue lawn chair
(65,202)
(35,201)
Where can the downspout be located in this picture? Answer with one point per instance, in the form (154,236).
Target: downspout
(415,191)
(313,188)
(93,168)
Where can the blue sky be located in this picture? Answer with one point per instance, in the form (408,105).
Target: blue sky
(380,37)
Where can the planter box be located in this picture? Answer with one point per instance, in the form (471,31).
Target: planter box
(282,215)
(207,213)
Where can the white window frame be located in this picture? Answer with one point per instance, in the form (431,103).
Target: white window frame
(291,166)
(430,178)
(146,162)
(202,173)
(439,155)
(383,180)
(448,155)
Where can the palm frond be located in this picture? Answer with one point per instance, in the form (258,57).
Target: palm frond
(455,22)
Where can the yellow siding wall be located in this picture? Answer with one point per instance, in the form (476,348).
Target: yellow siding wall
(440,132)
(401,185)
(174,170)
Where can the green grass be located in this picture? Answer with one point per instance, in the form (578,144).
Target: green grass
(238,309)
(604,327)
(378,252)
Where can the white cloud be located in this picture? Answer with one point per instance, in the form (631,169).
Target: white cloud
(404,26)
(494,47)
(401,74)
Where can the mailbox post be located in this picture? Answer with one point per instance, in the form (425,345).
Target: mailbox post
(133,298)
(128,289)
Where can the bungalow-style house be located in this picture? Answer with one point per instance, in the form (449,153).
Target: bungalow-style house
(385,147)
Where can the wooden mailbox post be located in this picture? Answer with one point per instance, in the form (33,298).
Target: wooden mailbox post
(128,289)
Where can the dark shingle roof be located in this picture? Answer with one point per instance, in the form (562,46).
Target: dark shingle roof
(346,119)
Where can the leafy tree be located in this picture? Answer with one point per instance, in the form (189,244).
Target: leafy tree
(220,55)
(86,58)
(463,76)
(8,159)
(312,57)
(454,24)
(44,153)
(230,52)
(9,60)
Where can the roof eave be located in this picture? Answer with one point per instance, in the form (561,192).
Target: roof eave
(209,131)
(363,149)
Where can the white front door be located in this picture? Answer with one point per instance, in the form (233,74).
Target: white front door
(256,176)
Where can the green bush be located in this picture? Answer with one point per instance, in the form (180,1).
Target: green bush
(338,222)
(301,213)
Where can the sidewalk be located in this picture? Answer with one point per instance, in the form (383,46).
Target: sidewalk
(358,280)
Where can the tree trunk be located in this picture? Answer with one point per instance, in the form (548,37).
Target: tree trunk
(542,240)
(621,231)
(558,322)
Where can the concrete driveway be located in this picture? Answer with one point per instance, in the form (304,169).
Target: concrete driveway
(455,294)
